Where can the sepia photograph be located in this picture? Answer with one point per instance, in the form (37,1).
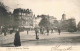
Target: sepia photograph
(38,24)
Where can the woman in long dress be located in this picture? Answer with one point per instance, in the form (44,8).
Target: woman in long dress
(17,41)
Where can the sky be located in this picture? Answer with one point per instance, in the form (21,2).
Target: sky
(49,7)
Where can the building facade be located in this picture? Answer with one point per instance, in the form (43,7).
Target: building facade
(63,17)
(23,17)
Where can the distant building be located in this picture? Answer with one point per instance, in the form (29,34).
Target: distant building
(64,23)
(24,17)
(37,21)
(63,17)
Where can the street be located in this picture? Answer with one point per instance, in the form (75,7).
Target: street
(65,38)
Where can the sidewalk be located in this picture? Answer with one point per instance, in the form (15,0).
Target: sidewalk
(9,39)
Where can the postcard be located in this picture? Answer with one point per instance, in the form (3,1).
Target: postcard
(39,25)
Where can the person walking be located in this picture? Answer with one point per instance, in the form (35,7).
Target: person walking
(36,32)
(47,31)
(41,30)
(27,32)
(17,41)
(52,30)
(4,31)
(59,31)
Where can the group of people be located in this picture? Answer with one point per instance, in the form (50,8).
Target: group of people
(17,41)
(42,32)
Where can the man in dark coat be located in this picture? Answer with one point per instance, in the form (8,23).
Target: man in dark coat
(41,30)
(17,39)
(52,30)
(36,32)
(47,31)
(59,31)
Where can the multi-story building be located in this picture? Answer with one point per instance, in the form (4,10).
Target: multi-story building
(23,17)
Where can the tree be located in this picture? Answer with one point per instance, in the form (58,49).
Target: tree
(55,24)
(64,25)
(44,22)
(78,26)
(4,17)
(72,25)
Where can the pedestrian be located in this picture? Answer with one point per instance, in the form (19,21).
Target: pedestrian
(4,31)
(51,30)
(36,32)
(11,31)
(27,32)
(47,31)
(41,30)
(17,41)
(59,31)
